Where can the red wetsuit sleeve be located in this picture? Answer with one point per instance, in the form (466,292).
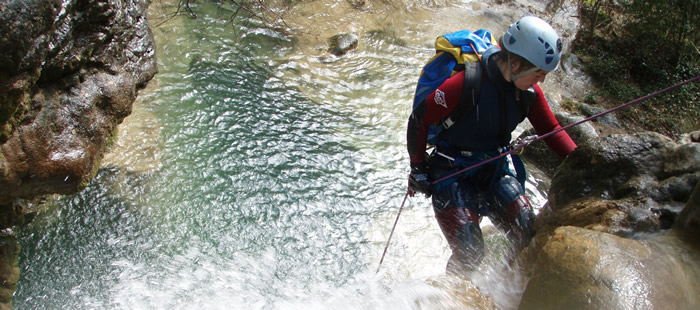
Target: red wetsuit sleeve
(438,105)
(543,120)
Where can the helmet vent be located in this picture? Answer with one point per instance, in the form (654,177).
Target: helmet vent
(535,40)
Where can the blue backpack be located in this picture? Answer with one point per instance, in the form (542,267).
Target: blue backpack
(454,52)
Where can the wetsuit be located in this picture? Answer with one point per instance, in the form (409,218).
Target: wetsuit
(490,190)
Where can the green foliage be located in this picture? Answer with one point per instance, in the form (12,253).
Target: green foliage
(635,48)
(674,20)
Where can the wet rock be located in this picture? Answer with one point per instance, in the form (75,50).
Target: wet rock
(695,136)
(690,137)
(9,270)
(619,217)
(70,73)
(583,269)
(340,44)
(463,294)
(687,224)
(606,196)
(70,77)
(628,166)
(12,215)
(23,46)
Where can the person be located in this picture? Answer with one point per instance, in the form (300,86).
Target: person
(526,53)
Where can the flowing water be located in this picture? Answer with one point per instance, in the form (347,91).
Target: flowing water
(259,172)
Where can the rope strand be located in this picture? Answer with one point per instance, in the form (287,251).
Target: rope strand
(392,231)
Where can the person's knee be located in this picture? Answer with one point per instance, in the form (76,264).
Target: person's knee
(508,189)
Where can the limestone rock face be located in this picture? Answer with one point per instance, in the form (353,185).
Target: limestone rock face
(646,166)
(623,185)
(70,73)
(583,269)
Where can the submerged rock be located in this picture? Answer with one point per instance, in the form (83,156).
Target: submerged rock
(137,147)
(462,295)
(340,44)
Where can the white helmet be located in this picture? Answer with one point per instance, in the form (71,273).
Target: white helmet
(535,40)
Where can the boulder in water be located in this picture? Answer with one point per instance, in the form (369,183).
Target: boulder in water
(583,269)
(340,44)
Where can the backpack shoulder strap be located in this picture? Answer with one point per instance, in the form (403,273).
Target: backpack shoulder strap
(473,72)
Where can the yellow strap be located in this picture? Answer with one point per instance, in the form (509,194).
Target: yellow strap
(478,56)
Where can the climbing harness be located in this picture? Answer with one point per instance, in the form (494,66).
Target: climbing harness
(519,145)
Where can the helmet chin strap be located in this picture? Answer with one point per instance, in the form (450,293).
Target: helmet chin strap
(514,77)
